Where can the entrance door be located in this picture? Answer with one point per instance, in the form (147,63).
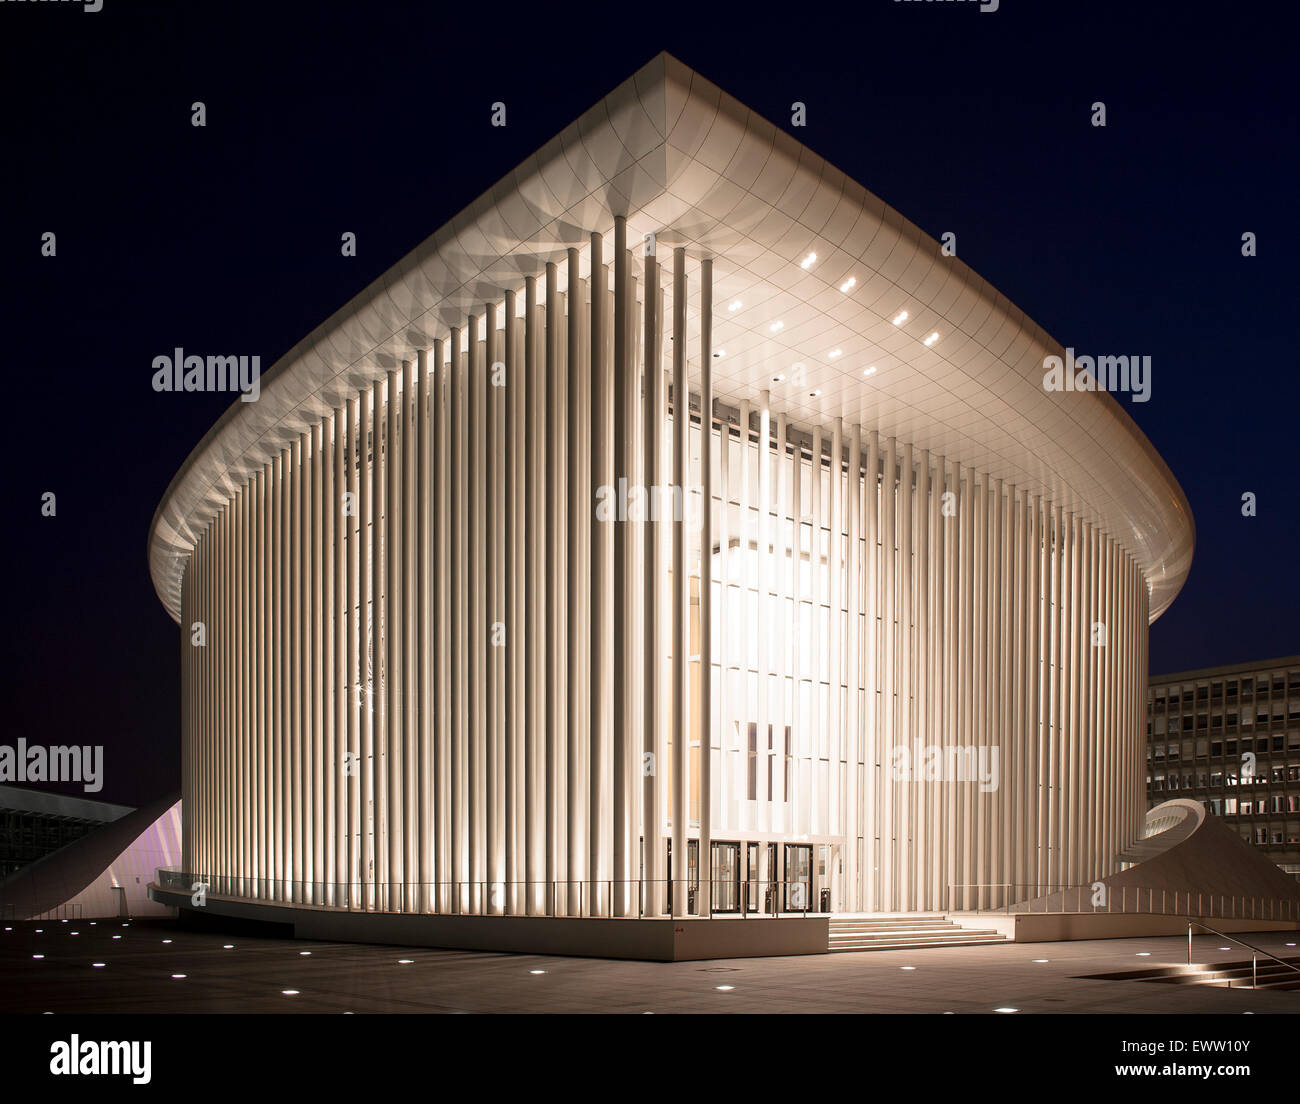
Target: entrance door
(772,886)
(692,875)
(726,877)
(753,893)
(798,878)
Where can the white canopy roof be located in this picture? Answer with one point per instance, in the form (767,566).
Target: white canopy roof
(683,160)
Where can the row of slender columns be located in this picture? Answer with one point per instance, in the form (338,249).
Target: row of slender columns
(959,605)
(423,681)
(431,677)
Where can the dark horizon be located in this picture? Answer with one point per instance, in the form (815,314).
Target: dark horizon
(373,120)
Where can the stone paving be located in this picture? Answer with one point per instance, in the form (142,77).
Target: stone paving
(242,973)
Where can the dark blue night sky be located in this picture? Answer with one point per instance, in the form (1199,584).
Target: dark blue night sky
(374,118)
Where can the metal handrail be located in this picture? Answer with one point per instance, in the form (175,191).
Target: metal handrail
(1130,899)
(602,897)
(1255,952)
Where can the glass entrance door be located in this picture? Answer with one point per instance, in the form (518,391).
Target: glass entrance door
(692,875)
(798,878)
(753,896)
(726,877)
(772,883)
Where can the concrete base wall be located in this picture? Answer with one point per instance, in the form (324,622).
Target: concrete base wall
(1056,927)
(656,940)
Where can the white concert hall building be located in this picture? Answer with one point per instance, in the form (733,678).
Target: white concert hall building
(678,531)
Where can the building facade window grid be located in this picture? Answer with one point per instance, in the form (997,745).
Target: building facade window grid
(1251,710)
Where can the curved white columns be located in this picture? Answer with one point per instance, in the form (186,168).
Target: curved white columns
(467,650)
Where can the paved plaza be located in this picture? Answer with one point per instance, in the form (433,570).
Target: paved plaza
(159,967)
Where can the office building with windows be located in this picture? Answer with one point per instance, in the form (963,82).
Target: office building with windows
(1230,737)
(678,531)
(34,823)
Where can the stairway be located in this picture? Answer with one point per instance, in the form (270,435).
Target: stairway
(883,933)
(1227,975)
(1237,975)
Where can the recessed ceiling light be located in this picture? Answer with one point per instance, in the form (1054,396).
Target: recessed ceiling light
(405,961)
(166,940)
(178,975)
(97,965)
(537,971)
(1006,1009)
(835,353)
(724,988)
(74,933)
(931,339)
(289,992)
(1225,948)
(227,946)
(899,318)
(117,937)
(735,305)
(848,284)
(776,326)
(907,967)
(1040,960)
(1144,954)
(304,952)
(869,371)
(39,930)
(808,261)
(38,956)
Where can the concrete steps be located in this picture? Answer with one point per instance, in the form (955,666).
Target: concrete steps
(1238,975)
(1224,975)
(882,933)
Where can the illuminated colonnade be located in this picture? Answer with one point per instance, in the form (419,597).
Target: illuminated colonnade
(438,655)
(445,680)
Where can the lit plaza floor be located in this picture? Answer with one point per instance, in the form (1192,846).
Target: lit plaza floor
(153,966)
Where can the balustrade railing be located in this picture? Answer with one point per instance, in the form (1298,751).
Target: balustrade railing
(1011,897)
(629,898)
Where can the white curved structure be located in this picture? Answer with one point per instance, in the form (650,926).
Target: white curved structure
(1184,861)
(104,873)
(450,665)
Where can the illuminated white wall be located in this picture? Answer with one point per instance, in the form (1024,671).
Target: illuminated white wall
(432,678)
